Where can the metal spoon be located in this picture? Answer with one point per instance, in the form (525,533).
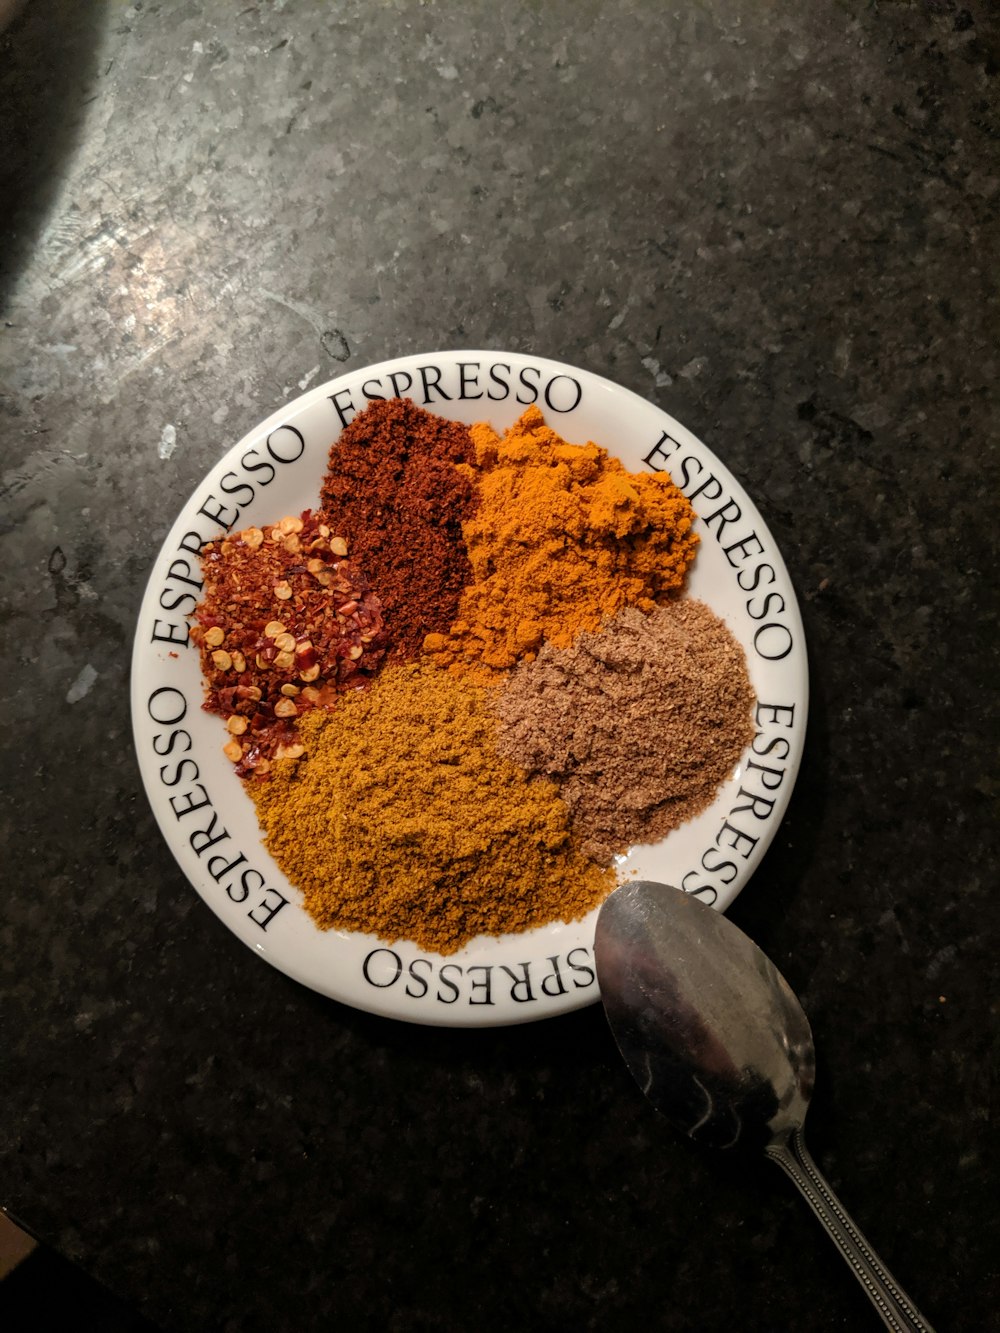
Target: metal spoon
(717,1041)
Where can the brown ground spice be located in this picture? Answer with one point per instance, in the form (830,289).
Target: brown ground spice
(392,489)
(564,536)
(403,820)
(638,724)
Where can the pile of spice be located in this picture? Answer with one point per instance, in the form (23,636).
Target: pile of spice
(563,537)
(393,490)
(638,725)
(286,624)
(403,819)
(468,680)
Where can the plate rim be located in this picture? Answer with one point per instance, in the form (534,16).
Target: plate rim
(294,408)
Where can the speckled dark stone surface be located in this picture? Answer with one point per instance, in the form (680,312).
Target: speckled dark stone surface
(779,221)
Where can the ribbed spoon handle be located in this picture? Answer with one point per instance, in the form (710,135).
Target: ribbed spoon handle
(896,1309)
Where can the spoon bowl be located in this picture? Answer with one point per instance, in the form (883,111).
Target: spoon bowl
(718,1042)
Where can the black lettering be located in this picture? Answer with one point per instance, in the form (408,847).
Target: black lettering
(181,564)
(226,868)
(299,446)
(758,574)
(421,981)
(706,892)
(395,375)
(435,383)
(447,981)
(239,893)
(778,774)
(726,870)
(192,804)
(204,838)
(576,396)
(775,740)
(765,610)
(556,976)
(532,388)
(742,547)
(685,471)
(778,646)
(342,411)
(185,543)
(500,383)
(484,984)
(178,777)
(171,741)
(262,465)
(165,705)
(366,965)
(269,912)
(710,480)
(729,513)
(521,983)
(580,967)
(241,488)
(738,838)
(773,709)
(660,450)
(168,631)
(759,806)
(367,392)
(178,598)
(218,513)
(464,383)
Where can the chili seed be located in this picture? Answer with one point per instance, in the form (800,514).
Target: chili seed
(239,662)
(215,636)
(289,751)
(289,690)
(356,651)
(273,628)
(285,642)
(283,590)
(310,673)
(222,659)
(285,708)
(338,545)
(290,524)
(233,751)
(236,725)
(253,537)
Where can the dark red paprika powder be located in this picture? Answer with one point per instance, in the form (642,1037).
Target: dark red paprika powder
(393,490)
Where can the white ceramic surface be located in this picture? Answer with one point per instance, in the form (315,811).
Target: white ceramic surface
(210,824)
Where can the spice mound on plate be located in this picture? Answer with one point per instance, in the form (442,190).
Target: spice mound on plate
(393,490)
(638,724)
(402,819)
(564,536)
(287,623)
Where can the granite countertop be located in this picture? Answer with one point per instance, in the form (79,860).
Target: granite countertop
(778,222)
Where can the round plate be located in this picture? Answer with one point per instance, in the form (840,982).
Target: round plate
(209,822)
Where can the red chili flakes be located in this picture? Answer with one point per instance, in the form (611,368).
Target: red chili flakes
(287,623)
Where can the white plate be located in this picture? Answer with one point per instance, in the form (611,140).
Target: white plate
(210,824)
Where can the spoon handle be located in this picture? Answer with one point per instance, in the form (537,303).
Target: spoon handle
(897,1310)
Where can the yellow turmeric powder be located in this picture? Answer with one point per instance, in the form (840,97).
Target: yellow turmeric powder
(403,820)
(564,537)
